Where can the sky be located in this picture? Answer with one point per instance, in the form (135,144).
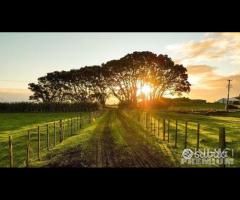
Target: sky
(211,58)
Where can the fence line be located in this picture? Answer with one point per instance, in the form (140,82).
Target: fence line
(43,138)
(149,123)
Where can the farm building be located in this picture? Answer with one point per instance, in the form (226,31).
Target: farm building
(232,101)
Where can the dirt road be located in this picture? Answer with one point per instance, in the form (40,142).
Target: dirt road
(116,142)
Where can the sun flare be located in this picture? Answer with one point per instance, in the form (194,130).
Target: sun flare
(144,91)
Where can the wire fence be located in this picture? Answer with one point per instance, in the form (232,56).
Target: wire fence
(20,149)
(179,134)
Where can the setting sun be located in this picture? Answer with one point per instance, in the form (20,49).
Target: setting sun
(144,91)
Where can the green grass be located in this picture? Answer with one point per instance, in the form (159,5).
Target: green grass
(83,138)
(209,130)
(83,144)
(107,137)
(17,125)
(197,107)
(10,122)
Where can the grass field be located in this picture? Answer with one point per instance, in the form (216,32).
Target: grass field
(189,107)
(118,138)
(114,140)
(17,125)
(209,130)
(12,122)
(197,107)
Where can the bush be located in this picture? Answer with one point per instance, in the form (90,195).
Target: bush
(232,107)
(126,104)
(48,107)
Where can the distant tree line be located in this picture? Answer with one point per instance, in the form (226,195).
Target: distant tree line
(120,78)
(47,107)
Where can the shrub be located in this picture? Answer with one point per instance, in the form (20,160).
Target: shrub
(47,107)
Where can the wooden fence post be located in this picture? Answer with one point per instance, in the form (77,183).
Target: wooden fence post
(176,134)
(186,132)
(146,120)
(60,132)
(89,117)
(222,141)
(28,149)
(67,129)
(80,121)
(222,138)
(198,135)
(151,124)
(76,123)
(164,129)
(39,143)
(10,151)
(63,126)
(47,138)
(168,130)
(154,127)
(71,127)
(138,117)
(55,136)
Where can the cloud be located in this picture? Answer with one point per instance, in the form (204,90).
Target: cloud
(218,49)
(221,83)
(200,69)
(214,46)
(208,84)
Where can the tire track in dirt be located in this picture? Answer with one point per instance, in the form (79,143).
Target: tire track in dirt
(114,144)
(142,153)
(110,154)
(105,145)
(107,151)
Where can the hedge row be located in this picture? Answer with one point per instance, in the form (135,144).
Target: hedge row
(47,107)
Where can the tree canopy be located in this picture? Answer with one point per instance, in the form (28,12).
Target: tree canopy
(122,78)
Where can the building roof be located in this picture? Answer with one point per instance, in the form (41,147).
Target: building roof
(230,99)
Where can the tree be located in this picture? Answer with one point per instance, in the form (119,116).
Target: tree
(167,77)
(76,86)
(97,83)
(122,78)
(50,88)
(125,76)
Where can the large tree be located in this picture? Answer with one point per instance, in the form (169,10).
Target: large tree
(97,83)
(79,85)
(126,75)
(86,84)
(122,78)
(167,77)
(50,88)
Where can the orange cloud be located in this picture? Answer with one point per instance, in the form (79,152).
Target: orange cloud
(207,84)
(200,69)
(214,46)
(221,83)
(198,48)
